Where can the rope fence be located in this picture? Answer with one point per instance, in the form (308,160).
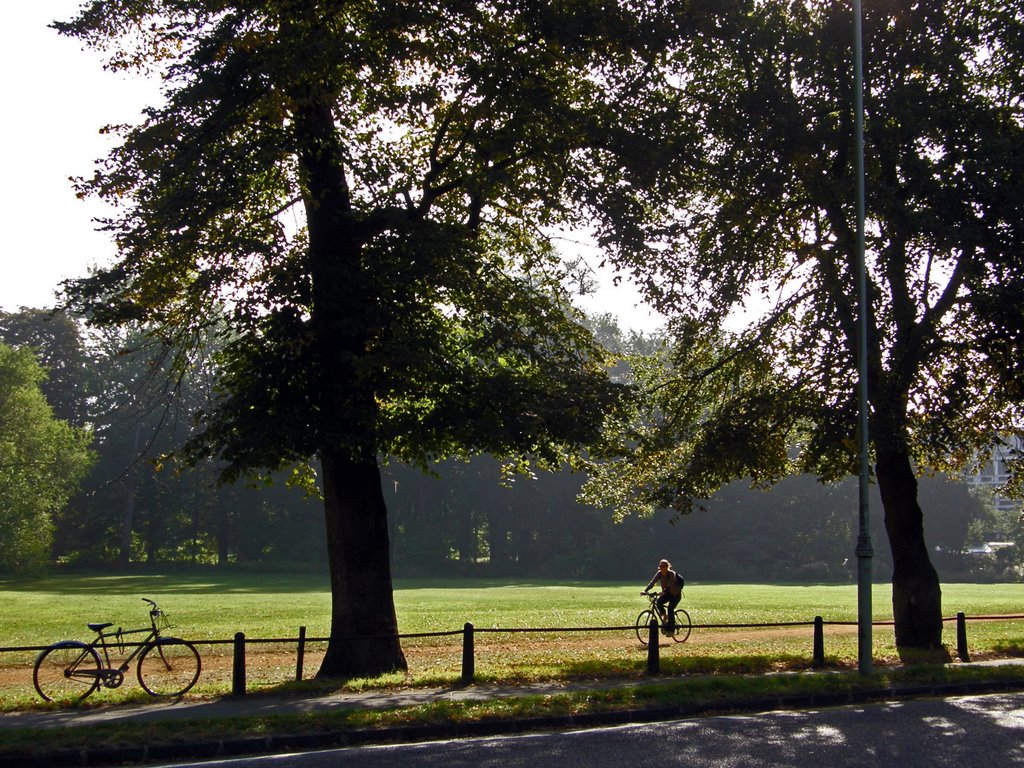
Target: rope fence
(240,642)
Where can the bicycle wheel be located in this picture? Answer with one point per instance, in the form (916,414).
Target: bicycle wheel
(66,671)
(169,667)
(643,625)
(683,626)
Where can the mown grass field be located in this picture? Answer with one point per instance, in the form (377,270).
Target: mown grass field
(215,606)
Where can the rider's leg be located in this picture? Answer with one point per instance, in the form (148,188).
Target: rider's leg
(665,604)
(672,603)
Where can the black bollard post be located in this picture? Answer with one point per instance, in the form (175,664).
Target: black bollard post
(301,656)
(238,667)
(653,647)
(468,662)
(961,637)
(819,642)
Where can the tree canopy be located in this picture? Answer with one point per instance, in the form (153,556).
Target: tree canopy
(42,460)
(750,213)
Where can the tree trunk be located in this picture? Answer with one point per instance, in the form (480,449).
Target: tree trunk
(364,629)
(124,550)
(344,321)
(128,514)
(916,594)
(223,512)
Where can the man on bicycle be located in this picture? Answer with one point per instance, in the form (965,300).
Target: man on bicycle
(671,590)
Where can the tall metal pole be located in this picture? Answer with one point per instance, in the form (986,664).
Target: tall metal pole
(864,551)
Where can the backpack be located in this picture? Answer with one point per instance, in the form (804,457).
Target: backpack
(680,582)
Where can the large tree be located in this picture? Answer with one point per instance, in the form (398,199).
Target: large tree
(753,200)
(369,188)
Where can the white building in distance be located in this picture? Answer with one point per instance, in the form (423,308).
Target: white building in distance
(995,472)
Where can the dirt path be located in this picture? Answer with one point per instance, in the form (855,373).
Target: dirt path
(280,665)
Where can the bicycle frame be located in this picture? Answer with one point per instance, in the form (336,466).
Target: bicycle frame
(659,610)
(110,675)
(100,643)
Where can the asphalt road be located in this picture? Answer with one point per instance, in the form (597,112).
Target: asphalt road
(974,731)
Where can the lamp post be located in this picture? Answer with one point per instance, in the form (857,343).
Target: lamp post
(864,550)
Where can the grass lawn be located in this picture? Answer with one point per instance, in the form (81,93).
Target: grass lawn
(215,606)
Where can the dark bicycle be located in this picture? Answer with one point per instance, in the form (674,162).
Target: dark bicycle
(680,630)
(70,670)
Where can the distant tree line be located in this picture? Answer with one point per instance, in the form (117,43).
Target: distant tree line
(135,509)
(465,522)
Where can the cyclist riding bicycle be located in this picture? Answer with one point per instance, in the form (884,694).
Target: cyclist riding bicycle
(671,590)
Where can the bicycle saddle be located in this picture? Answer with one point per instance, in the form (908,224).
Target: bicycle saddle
(99,627)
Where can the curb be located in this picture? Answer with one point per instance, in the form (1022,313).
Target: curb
(227,748)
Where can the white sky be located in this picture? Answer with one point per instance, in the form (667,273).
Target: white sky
(56,98)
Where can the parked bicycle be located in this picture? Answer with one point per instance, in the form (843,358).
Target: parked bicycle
(71,670)
(681,627)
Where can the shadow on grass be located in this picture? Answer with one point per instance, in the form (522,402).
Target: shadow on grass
(194,582)
(1009,648)
(690,665)
(924,655)
(569,672)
